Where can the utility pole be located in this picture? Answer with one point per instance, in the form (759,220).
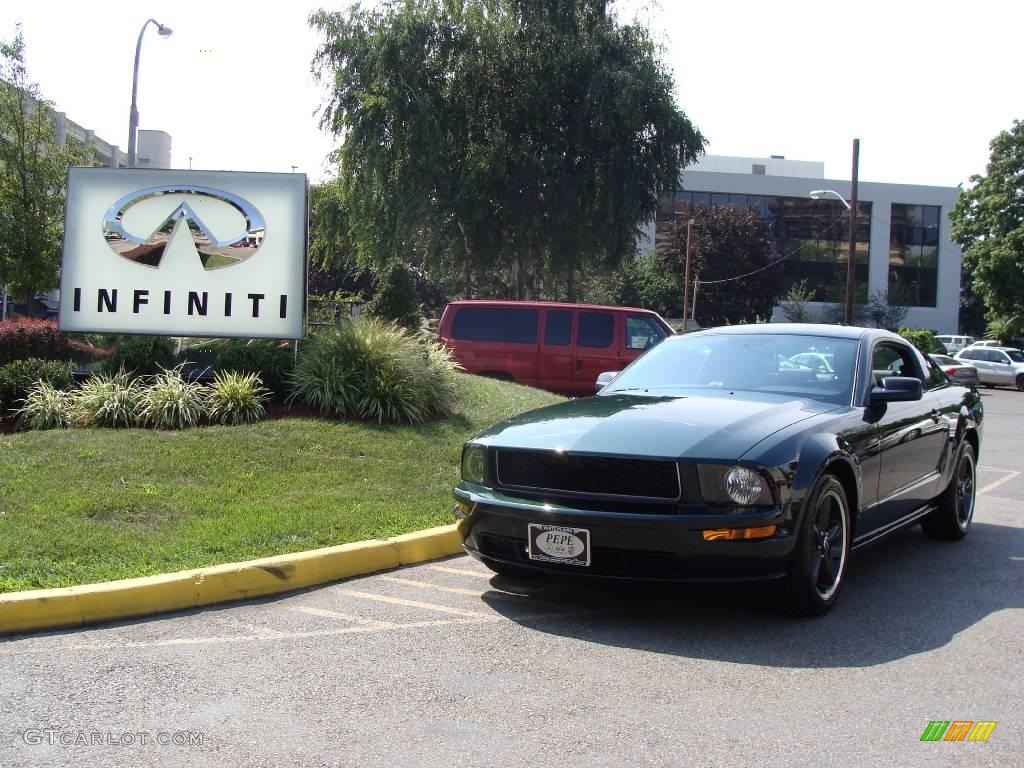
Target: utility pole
(848,314)
(686,275)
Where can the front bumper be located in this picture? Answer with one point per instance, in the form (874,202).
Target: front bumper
(629,545)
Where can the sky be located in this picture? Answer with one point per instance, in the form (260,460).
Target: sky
(925,85)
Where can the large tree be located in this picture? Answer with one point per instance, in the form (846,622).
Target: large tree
(988,221)
(33,173)
(739,276)
(517,143)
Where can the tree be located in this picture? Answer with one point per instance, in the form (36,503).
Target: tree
(988,221)
(733,259)
(794,305)
(396,298)
(516,143)
(33,172)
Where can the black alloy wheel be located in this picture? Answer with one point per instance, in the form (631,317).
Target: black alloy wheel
(820,557)
(954,509)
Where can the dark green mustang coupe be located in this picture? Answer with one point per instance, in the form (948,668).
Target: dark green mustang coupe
(741,453)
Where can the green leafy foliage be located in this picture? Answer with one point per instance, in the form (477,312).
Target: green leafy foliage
(141,355)
(170,402)
(795,304)
(26,337)
(17,379)
(235,398)
(396,298)
(988,221)
(269,359)
(113,401)
(921,338)
(510,144)
(369,369)
(46,407)
(649,282)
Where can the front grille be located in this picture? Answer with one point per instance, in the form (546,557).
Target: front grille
(591,475)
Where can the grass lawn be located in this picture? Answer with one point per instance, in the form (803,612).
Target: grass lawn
(86,505)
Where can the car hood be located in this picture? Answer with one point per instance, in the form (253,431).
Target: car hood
(715,426)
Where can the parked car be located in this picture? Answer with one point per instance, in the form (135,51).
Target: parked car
(958,372)
(707,459)
(954,343)
(996,365)
(558,347)
(985,343)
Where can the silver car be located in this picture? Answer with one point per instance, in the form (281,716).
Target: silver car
(959,372)
(996,365)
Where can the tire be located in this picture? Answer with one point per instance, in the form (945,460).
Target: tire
(1020,381)
(818,567)
(952,517)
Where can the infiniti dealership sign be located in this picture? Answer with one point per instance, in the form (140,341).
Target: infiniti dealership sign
(184,253)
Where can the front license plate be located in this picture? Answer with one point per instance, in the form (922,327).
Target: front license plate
(558,544)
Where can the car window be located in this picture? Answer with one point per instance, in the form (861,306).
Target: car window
(558,327)
(889,359)
(943,360)
(1016,356)
(744,361)
(507,324)
(992,356)
(596,329)
(936,377)
(969,354)
(642,332)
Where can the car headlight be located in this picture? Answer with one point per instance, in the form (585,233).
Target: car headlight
(724,484)
(474,464)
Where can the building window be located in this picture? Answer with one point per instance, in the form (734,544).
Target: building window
(914,255)
(814,235)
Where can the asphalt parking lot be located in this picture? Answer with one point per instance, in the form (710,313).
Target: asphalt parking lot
(442,664)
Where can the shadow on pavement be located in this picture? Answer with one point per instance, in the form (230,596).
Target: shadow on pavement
(905,596)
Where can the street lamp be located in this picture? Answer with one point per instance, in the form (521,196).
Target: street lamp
(852,208)
(133,116)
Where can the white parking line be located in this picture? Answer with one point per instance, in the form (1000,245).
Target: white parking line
(325,614)
(413,603)
(461,571)
(993,485)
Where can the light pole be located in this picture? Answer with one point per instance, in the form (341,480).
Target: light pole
(852,208)
(133,116)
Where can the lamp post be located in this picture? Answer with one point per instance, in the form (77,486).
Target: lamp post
(133,116)
(852,208)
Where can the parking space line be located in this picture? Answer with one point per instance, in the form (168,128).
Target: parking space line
(325,614)
(995,469)
(412,603)
(995,484)
(428,585)
(462,571)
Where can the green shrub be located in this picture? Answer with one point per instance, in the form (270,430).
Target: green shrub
(235,398)
(46,407)
(396,298)
(170,402)
(270,359)
(370,369)
(17,378)
(923,339)
(112,401)
(141,355)
(26,337)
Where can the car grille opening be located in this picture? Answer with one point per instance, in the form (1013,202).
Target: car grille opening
(590,475)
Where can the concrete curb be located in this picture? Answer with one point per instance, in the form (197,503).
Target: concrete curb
(92,603)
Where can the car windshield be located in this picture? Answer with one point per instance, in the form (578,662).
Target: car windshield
(814,367)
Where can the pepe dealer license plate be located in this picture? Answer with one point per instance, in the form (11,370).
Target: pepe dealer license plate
(559,544)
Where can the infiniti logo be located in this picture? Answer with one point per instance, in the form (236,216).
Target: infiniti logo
(225,229)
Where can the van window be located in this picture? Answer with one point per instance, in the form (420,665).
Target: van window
(518,326)
(597,329)
(642,332)
(558,327)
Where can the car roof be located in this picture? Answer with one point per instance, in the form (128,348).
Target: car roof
(543,304)
(822,330)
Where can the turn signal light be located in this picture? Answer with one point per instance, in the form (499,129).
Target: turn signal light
(739,534)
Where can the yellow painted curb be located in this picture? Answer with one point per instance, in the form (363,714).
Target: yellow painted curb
(92,603)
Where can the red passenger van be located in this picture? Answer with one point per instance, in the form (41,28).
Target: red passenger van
(558,347)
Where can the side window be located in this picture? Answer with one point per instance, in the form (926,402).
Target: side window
(936,377)
(642,332)
(558,327)
(969,354)
(597,329)
(999,357)
(496,324)
(894,360)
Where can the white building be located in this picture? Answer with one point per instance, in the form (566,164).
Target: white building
(904,250)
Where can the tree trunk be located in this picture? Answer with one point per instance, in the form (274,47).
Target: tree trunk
(467,274)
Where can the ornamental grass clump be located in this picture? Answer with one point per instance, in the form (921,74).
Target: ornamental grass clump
(371,369)
(170,402)
(46,407)
(112,401)
(236,398)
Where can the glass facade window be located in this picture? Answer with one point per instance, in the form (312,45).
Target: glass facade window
(814,235)
(914,255)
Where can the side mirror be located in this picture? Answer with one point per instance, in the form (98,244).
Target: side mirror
(604,378)
(897,389)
